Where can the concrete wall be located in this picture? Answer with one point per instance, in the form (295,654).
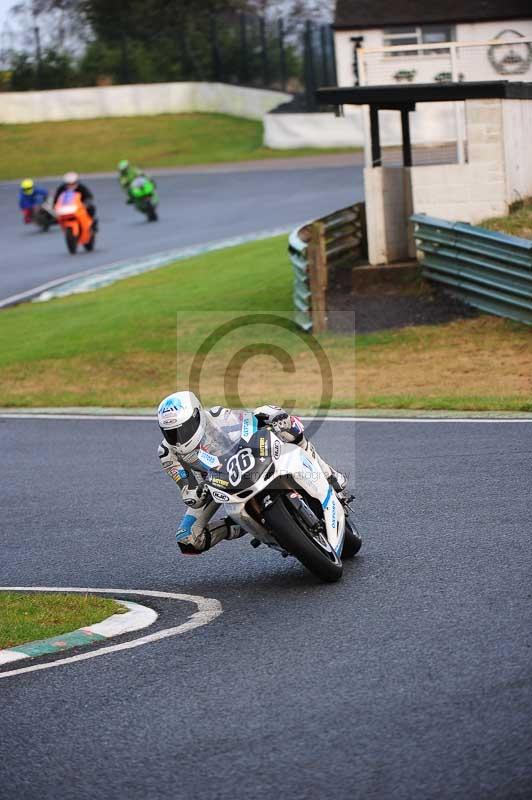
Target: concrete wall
(476,190)
(432,123)
(282,131)
(137,100)
(517,131)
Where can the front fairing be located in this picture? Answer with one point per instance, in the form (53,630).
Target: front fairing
(235,472)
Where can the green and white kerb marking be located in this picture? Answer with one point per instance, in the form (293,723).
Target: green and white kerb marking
(137,617)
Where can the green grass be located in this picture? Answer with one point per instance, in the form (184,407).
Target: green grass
(517,223)
(166,140)
(131,343)
(30,617)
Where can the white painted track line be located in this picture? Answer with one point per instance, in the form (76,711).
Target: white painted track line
(150,418)
(208,610)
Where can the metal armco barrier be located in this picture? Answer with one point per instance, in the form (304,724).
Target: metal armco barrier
(336,240)
(485,269)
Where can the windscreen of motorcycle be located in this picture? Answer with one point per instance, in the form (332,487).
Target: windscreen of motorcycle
(222,431)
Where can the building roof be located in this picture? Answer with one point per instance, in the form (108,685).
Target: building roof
(358,14)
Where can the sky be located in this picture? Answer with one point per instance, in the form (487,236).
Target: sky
(5,5)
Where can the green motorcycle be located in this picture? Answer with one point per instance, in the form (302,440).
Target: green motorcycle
(144,196)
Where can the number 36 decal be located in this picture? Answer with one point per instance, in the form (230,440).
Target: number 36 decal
(240,464)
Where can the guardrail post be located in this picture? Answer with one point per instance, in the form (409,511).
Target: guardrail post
(317,269)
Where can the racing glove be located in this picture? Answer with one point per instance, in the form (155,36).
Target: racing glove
(195,497)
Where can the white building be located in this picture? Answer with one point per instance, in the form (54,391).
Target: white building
(421,27)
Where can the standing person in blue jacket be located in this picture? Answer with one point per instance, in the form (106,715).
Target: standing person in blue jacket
(30,197)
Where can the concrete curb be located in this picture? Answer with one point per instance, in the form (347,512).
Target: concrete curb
(137,617)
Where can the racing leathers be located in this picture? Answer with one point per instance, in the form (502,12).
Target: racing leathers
(196,532)
(29,201)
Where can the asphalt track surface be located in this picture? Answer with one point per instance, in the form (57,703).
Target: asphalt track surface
(195,208)
(411,678)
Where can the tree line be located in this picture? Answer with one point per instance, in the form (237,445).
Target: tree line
(63,43)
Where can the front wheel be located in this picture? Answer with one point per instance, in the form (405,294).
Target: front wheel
(310,547)
(71,241)
(352,540)
(90,244)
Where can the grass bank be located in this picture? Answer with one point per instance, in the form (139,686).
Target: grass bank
(135,341)
(29,617)
(166,140)
(518,223)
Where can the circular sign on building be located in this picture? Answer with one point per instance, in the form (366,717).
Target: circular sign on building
(510,57)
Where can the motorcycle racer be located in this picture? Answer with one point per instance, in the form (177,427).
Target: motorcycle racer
(30,196)
(188,429)
(72,182)
(127,174)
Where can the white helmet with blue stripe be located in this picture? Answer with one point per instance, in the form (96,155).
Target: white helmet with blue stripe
(182,421)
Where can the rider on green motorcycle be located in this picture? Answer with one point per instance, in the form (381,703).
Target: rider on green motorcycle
(127,174)
(139,187)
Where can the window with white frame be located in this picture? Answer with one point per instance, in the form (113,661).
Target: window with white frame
(416,34)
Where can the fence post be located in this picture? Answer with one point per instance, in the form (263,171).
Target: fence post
(243,50)
(217,68)
(309,69)
(282,55)
(317,270)
(264,53)
(324,58)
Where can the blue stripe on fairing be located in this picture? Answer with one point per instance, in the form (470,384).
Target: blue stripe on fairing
(328,497)
(185,528)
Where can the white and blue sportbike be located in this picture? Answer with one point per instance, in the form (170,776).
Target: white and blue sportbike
(277,492)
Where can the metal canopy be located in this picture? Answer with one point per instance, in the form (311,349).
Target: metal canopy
(404,99)
(399,96)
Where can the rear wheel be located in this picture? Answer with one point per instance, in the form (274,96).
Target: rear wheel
(71,240)
(308,545)
(352,540)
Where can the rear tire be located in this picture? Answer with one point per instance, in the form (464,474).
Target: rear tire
(298,542)
(71,241)
(352,540)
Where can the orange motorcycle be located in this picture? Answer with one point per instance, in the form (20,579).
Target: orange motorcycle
(75,221)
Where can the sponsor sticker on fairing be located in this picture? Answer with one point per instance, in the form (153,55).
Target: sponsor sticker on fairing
(219,481)
(220,497)
(208,459)
(276,449)
(334,520)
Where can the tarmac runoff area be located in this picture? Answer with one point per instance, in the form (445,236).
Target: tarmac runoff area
(136,618)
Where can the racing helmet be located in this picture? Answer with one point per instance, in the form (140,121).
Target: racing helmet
(71,178)
(27,186)
(182,421)
(123,166)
